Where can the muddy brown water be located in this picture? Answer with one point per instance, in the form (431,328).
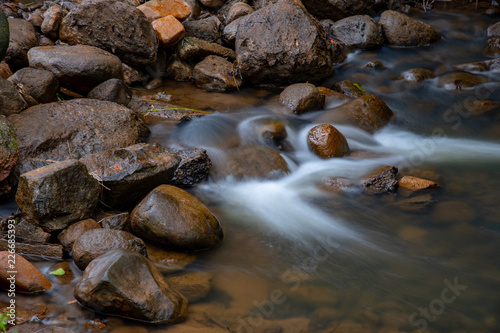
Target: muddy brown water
(311,261)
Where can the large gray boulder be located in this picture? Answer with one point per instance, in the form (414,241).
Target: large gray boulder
(79,68)
(359,31)
(114,26)
(125,283)
(401,30)
(73,129)
(283,44)
(57,195)
(338,9)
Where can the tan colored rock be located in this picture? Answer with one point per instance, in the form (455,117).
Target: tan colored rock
(409,185)
(169,30)
(27,277)
(177,8)
(193,286)
(326,141)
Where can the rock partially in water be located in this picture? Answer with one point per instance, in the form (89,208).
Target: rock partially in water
(9,154)
(96,242)
(492,49)
(168,30)
(195,165)
(40,84)
(168,261)
(409,185)
(79,68)
(76,128)
(302,97)
(460,80)
(336,185)
(124,283)
(417,75)
(326,141)
(11,101)
(22,39)
(69,235)
(338,9)
(382,180)
(481,107)
(193,286)
(57,195)
(61,273)
(114,26)
(128,174)
(359,31)
(348,88)
(27,279)
(216,74)
(207,28)
(283,44)
(332,97)
(172,217)
(113,90)
(480,66)
(401,30)
(52,19)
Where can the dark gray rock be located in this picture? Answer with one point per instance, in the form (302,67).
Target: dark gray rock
(22,38)
(11,101)
(401,30)
(69,235)
(216,74)
(338,9)
(195,166)
(40,84)
(360,31)
(383,180)
(302,97)
(113,90)
(207,28)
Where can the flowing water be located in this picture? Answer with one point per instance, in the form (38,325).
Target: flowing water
(314,261)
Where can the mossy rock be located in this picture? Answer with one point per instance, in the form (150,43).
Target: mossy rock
(4,35)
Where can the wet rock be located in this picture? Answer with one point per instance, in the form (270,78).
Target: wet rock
(40,84)
(79,68)
(41,251)
(27,278)
(69,235)
(193,286)
(338,9)
(11,101)
(193,49)
(29,233)
(401,30)
(22,38)
(382,180)
(302,97)
(374,64)
(120,221)
(112,286)
(418,203)
(113,90)
(96,242)
(206,29)
(195,165)
(336,185)
(133,75)
(332,97)
(61,279)
(57,195)
(492,48)
(250,162)
(9,154)
(177,8)
(409,185)
(5,71)
(172,217)
(480,66)
(460,80)
(348,88)
(167,260)
(273,132)
(480,107)
(169,30)
(417,75)
(493,30)
(360,31)
(114,26)
(76,128)
(52,19)
(237,10)
(326,141)
(216,74)
(282,44)
(128,174)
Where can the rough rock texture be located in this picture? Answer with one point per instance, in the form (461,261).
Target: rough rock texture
(207,28)
(69,235)
(40,84)
(168,30)
(417,74)
(130,173)
(113,90)
(79,68)
(338,9)
(193,49)
(360,31)
(96,242)
(382,180)
(460,80)
(172,217)
(57,195)
(302,97)
(28,278)
(76,128)
(409,185)
(52,19)
(282,44)
(326,141)
(114,26)
(401,30)
(11,102)
(127,284)
(177,8)
(22,38)
(195,165)
(46,251)
(29,233)
(216,74)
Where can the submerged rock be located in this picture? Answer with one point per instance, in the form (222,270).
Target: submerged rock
(40,84)
(125,283)
(460,80)
(417,75)
(382,180)
(326,141)
(172,217)
(360,31)
(28,279)
(57,195)
(302,97)
(348,88)
(480,66)
(193,286)
(401,30)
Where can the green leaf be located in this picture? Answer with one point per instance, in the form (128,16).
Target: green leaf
(359,87)
(58,271)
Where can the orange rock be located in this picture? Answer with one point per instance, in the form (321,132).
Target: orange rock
(409,185)
(169,30)
(27,278)
(177,8)
(326,141)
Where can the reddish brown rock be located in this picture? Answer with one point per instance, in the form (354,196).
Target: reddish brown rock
(409,185)
(302,97)
(326,141)
(168,30)
(27,277)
